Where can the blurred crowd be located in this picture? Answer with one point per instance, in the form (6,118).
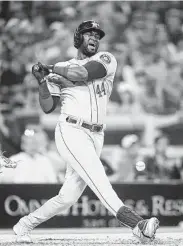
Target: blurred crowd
(131,162)
(37,161)
(146,37)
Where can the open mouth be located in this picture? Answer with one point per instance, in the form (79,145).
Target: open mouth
(92,44)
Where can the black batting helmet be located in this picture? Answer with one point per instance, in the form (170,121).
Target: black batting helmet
(84,27)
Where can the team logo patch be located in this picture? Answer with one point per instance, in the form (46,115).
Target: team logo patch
(95,25)
(105,58)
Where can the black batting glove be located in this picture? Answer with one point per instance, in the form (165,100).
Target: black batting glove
(38,73)
(46,68)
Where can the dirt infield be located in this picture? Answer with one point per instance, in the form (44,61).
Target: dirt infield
(92,237)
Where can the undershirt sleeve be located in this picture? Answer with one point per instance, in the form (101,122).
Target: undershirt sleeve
(95,69)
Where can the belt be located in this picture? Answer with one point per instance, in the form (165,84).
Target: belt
(84,124)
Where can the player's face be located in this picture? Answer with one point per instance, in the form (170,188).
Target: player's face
(90,43)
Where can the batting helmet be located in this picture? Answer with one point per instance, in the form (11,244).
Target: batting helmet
(85,27)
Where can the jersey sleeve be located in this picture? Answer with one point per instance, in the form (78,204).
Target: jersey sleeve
(110,63)
(54,89)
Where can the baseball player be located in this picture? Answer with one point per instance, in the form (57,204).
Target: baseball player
(83,85)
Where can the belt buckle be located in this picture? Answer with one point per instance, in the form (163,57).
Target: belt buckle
(93,127)
(100,127)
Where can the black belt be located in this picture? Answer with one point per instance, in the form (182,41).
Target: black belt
(91,127)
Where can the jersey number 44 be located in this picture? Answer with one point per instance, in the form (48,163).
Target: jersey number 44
(100,90)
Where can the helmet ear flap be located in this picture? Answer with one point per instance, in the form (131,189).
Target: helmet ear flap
(78,39)
(81,39)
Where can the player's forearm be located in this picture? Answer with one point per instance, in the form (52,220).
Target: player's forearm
(65,82)
(90,71)
(45,98)
(74,73)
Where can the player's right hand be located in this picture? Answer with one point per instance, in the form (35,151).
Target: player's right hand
(45,68)
(59,80)
(55,78)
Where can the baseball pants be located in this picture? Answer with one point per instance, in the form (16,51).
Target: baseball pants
(81,149)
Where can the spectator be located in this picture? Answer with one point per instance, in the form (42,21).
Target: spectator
(173,89)
(9,131)
(31,94)
(135,30)
(174,25)
(150,32)
(159,166)
(34,166)
(130,162)
(148,96)
(128,100)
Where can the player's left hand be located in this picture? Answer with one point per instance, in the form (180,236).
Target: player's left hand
(38,72)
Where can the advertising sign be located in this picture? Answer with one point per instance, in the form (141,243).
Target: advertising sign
(164,201)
